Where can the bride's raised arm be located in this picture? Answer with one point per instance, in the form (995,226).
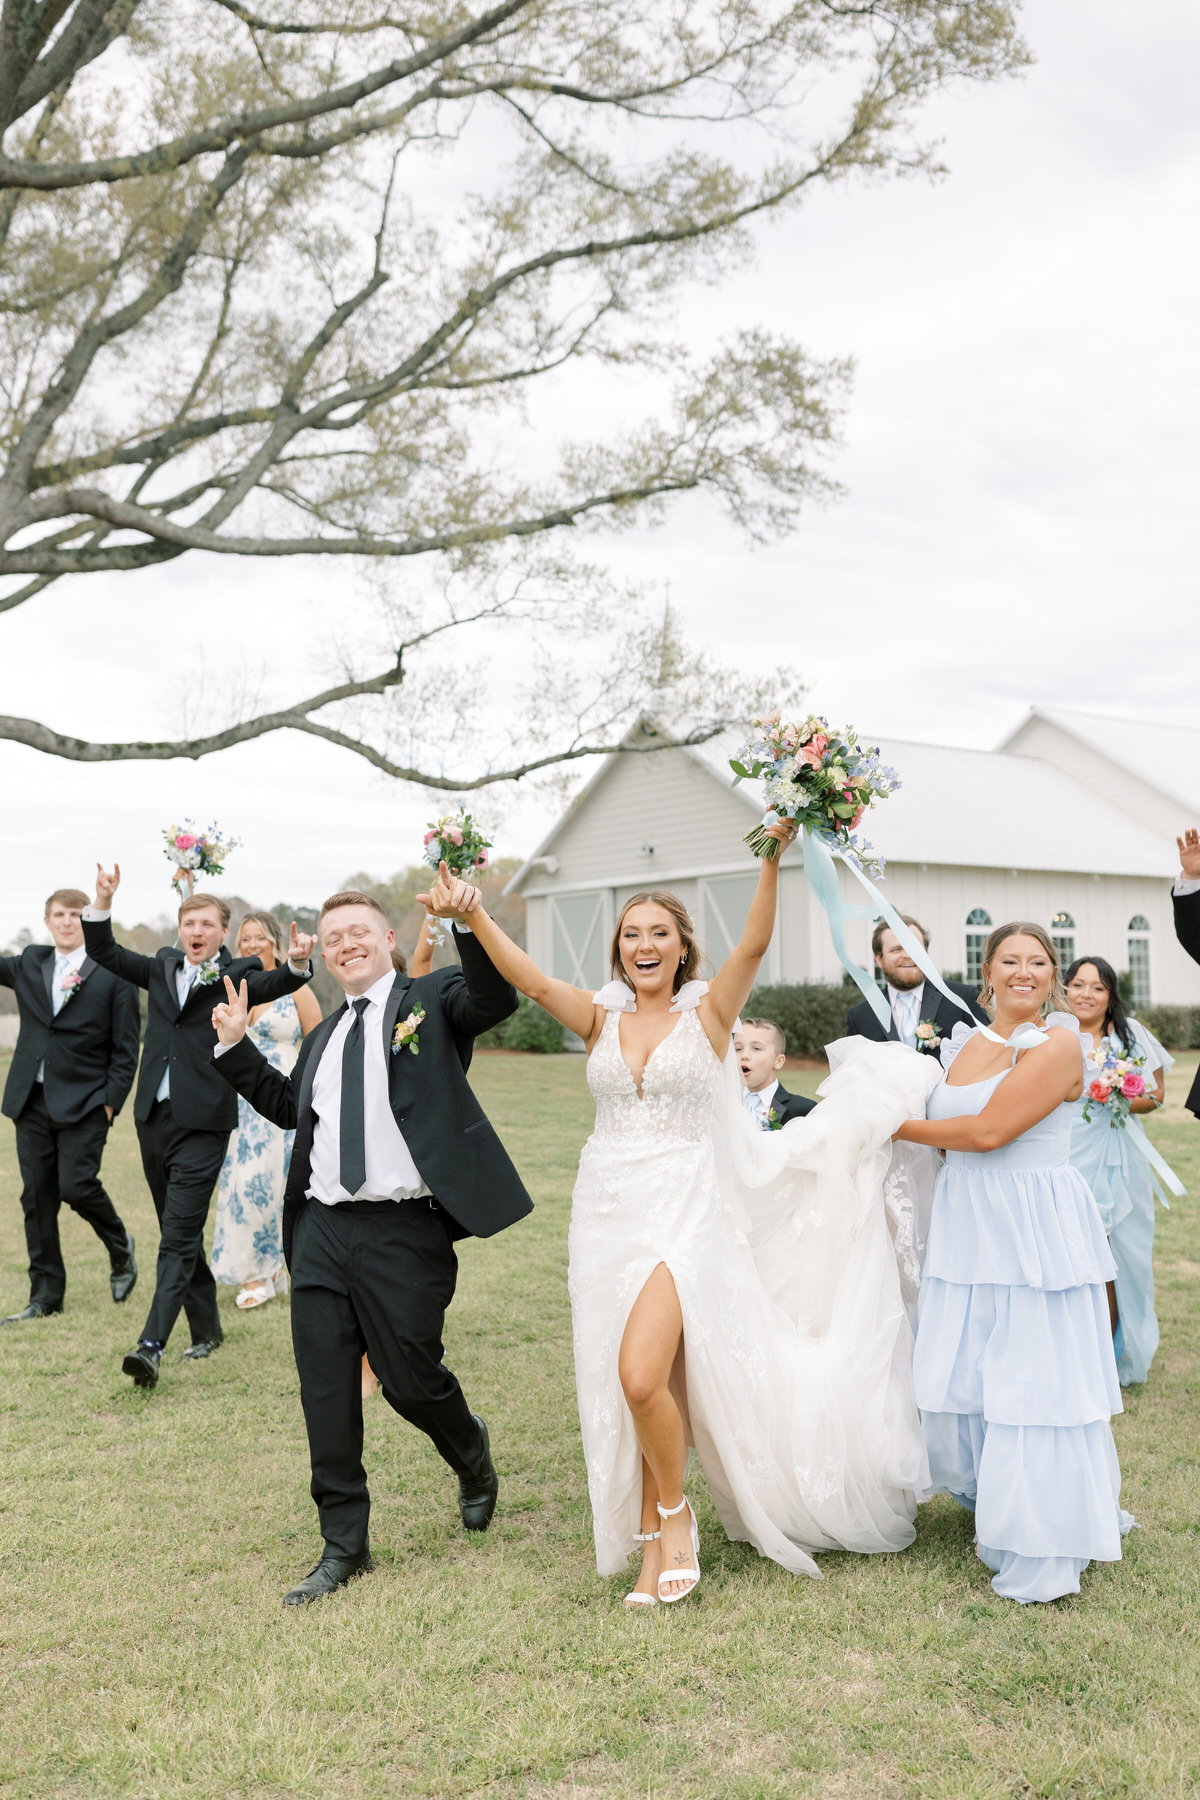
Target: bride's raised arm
(730,988)
(451,898)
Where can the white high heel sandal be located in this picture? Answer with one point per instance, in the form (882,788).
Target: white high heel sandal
(693,1574)
(635,1599)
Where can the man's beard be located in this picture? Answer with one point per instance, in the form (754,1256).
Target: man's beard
(905,980)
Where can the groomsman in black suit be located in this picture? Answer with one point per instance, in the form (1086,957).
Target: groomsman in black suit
(184,1111)
(921,1016)
(759,1047)
(394,1159)
(1186,897)
(71,1071)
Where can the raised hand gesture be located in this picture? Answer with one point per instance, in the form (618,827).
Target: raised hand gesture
(107,885)
(300,947)
(1189,853)
(450,897)
(232,1015)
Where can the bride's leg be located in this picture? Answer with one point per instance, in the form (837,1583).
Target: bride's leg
(647,1581)
(653,1333)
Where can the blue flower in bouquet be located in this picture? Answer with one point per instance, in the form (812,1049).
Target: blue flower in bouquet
(820,777)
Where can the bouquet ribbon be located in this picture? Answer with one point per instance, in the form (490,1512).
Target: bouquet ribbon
(1158,1163)
(821,876)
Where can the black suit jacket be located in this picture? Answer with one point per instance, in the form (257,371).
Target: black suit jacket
(861,1020)
(1187,930)
(182,1038)
(89,1047)
(456,1150)
(787,1106)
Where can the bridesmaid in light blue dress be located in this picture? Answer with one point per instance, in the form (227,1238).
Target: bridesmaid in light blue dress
(1014,1367)
(1113,1166)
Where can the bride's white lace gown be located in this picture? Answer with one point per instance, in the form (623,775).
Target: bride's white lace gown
(796,1384)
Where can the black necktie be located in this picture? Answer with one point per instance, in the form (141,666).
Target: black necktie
(352,1131)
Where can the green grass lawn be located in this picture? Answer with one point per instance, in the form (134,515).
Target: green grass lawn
(147,1539)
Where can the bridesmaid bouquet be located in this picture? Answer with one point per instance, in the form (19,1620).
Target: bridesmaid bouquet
(457,841)
(1117,1083)
(200,852)
(820,777)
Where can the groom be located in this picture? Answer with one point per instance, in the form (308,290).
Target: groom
(393,1161)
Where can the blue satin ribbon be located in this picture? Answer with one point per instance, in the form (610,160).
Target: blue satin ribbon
(1158,1163)
(822,879)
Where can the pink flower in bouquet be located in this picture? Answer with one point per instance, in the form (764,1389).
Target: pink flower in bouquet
(1099,1092)
(481,860)
(809,757)
(185,841)
(819,742)
(454,834)
(788,738)
(1133,1087)
(429,837)
(858,815)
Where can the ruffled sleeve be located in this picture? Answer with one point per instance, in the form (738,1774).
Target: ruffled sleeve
(614,996)
(689,996)
(1069,1022)
(951,1046)
(1156,1056)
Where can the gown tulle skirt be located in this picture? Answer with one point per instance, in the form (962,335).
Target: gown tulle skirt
(795,1382)
(1015,1372)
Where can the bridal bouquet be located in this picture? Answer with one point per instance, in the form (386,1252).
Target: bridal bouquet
(457,841)
(820,777)
(200,852)
(1117,1083)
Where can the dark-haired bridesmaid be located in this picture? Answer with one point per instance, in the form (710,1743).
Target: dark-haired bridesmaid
(1113,1165)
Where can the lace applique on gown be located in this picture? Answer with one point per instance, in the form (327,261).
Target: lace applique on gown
(797,1388)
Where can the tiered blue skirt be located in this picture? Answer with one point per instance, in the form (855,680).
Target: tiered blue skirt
(1015,1373)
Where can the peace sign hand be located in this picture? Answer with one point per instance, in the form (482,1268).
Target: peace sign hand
(231,1016)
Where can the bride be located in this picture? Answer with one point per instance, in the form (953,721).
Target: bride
(731,1289)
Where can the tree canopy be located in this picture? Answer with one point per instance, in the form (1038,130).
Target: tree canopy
(288,282)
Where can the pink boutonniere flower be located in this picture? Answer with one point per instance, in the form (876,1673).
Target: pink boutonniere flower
(928,1036)
(70,984)
(405,1035)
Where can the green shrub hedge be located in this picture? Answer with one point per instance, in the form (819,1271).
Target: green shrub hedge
(810,1014)
(529,1028)
(1175,1027)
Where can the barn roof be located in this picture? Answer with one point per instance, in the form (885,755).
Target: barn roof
(1167,757)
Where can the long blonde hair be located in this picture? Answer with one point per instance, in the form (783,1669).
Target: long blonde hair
(270,926)
(1056,999)
(670,903)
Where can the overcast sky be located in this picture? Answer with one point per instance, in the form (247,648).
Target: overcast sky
(1020,523)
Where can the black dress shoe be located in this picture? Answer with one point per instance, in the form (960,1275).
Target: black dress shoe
(330,1574)
(142,1363)
(477,1493)
(37,1309)
(123,1273)
(201,1348)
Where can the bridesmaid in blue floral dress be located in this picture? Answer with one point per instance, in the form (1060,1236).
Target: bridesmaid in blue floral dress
(247,1241)
(1014,1368)
(1113,1166)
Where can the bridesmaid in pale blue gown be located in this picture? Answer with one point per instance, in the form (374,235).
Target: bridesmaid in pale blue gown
(1113,1166)
(1014,1367)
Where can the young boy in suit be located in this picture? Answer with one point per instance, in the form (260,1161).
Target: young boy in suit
(759,1048)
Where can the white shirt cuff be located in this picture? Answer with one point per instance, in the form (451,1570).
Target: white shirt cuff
(220,1049)
(95,916)
(303,968)
(1184,885)
(465,930)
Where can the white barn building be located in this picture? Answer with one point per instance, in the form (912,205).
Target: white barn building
(1047,827)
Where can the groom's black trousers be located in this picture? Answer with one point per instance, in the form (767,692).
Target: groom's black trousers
(373,1275)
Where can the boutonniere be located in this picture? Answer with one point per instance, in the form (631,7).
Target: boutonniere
(70,984)
(209,972)
(774,1122)
(405,1035)
(928,1035)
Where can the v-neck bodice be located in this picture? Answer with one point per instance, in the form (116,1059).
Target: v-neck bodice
(678,1083)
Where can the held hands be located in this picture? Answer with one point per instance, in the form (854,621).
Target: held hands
(300,947)
(449,897)
(1189,853)
(231,1016)
(106,886)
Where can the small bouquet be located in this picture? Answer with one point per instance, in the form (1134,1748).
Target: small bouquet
(1118,1081)
(200,852)
(457,841)
(821,778)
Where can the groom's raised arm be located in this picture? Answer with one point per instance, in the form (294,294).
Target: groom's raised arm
(483,998)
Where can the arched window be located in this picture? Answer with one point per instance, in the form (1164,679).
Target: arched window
(1139,960)
(979,923)
(1062,936)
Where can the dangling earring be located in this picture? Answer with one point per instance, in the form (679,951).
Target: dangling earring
(683,958)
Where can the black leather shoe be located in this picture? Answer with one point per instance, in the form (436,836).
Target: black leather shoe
(142,1363)
(477,1493)
(37,1309)
(330,1574)
(123,1273)
(201,1348)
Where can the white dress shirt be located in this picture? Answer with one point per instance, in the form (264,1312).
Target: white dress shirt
(759,1105)
(64,962)
(1185,885)
(906,1012)
(391,1172)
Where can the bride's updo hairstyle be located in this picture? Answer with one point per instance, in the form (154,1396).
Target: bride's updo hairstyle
(670,903)
(1056,999)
